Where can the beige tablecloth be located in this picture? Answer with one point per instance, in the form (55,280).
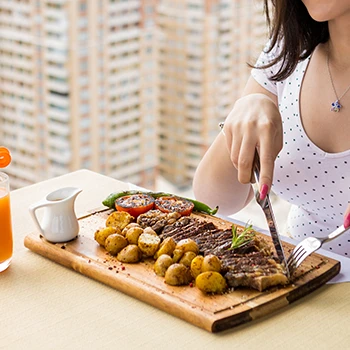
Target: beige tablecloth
(46,306)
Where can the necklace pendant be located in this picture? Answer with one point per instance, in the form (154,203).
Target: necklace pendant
(336,106)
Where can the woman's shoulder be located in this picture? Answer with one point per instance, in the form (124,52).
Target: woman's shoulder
(263,71)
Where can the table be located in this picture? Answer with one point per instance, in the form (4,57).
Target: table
(44,305)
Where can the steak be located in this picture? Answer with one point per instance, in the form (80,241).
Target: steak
(251,265)
(187,227)
(157,220)
(253,270)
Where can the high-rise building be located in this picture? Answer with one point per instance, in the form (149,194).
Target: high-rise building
(78,87)
(100,84)
(204,47)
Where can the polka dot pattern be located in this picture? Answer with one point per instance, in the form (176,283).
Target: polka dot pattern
(316,183)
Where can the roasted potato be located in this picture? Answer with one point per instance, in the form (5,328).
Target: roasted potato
(148,244)
(119,219)
(132,224)
(150,231)
(115,243)
(177,255)
(133,233)
(187,258)
(162,264)
(196,265)
(130,254)
(187,245)
(183,246)
(178,275)
(102,234)
(166,247)
(211,263)
(211,282)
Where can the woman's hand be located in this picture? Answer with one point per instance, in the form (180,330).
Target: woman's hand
(254,123)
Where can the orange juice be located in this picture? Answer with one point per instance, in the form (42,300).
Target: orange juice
(5,229)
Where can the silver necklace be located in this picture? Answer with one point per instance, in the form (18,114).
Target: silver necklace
(336,106)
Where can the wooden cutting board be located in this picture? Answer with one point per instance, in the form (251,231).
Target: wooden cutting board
(212,312)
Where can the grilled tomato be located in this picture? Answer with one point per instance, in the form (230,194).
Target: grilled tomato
(170,204)
(135,204)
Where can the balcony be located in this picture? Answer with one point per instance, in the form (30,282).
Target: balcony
(124,131)
(124,19)
(60,156)
(61,44)
(61,73)
(58,115)
(57,56)
(122,63)
(17,48)
(127,103)
(60,27)
(59,14)
(15,19)
(125,172)
(130,74)
(129,142)
(61,87)
(123,35)
(130,89)
(19,63)
(57,100)
(124,6)
(59,128)
(28,93)
(123,117)
(119,49)
(16,7)
(58,142)
(12,34)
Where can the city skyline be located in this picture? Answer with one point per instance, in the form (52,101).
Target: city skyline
(130,89)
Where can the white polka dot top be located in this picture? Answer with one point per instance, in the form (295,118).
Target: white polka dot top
(316,183)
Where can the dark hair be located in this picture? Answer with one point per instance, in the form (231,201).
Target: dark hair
(295,31)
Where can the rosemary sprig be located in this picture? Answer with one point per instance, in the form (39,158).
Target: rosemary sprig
(243,238)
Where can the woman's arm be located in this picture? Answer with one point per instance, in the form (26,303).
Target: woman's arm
(223,175)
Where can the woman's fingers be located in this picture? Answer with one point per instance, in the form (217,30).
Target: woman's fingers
(254,124)
(270,146)
(246,159)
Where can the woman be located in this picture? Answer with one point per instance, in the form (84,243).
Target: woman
(295,110)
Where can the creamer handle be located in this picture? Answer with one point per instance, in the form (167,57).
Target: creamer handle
(32,210)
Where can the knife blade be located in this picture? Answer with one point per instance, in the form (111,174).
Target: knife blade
(266,207)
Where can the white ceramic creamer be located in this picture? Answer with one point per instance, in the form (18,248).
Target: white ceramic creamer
(59,222)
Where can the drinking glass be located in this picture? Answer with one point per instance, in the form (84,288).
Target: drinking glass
(6,241)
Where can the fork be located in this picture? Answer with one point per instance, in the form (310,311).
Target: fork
(309,245)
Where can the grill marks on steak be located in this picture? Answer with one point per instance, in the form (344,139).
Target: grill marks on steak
(187,227)
(254,270)
(157,220)
(251,265)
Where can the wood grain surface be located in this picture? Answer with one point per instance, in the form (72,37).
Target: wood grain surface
(212,312)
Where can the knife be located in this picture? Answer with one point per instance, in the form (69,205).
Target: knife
(265,205)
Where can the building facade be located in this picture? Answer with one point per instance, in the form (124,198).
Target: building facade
(78,88)
(126,88)
(204,47)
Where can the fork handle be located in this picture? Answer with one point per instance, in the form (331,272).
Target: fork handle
(339,231)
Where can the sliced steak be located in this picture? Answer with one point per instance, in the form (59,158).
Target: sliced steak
(251,265)
(253,270)
(157,220)
(187,227)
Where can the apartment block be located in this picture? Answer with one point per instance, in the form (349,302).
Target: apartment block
(78,88)
(204,47)
(128,88)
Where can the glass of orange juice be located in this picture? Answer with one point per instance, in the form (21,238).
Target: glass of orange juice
(6,241)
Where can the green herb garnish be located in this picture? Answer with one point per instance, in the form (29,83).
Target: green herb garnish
(243,238)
